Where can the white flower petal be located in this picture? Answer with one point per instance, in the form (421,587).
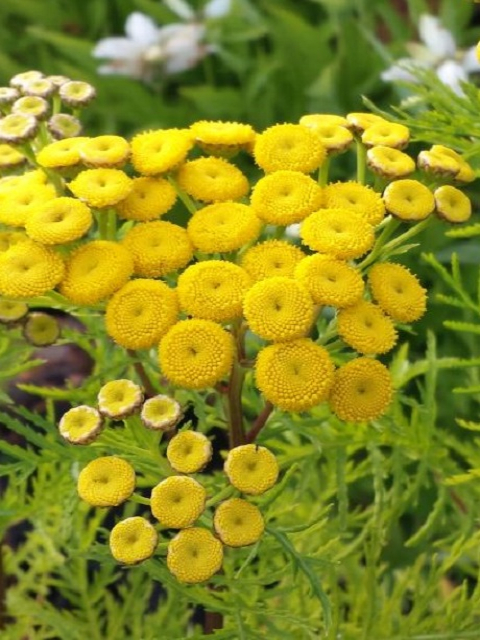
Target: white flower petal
(180,8)
(470,61)
(451,73)
(117,49)
(141,29)
(216,9)
(401,70)
(438,39)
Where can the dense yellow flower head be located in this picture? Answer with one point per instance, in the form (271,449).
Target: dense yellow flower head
(223,227)
(289,146)
(119,398)
(189,451)
(106,482)
(388,134)
(251,469)
(341,233)
(155,152)
(362,390)
(330,281)
(80,425)
(196,354)
(178,501)
(10,157)
(29,269)
(101,187)
(357,197)
(9,238)
(279,309)
(272,258)
(104,151)
(160,413)
(16,128)
(409,200)
(397,291)
(59,221)
(451,204)
(133,540)
(149,199)
(313,120)
(213,289)
(95,271)
(438,163)
(36,106)
(285,197)
(238,523)
(140,313)
(61,153)
(366,328)
(359,121)
(390,163)
(158,248)
(212,180)
(219,138)
(17,204)
(466,173)
(294,376)
(334,137)
(194,555)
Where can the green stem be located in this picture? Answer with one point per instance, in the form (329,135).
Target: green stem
(390,228)
(234,399)
(139,499)
(184,197)
(323,172)
(111,229)
(102,224)
(361,161)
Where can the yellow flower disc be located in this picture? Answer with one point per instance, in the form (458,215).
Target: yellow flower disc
(366,328)
(158,248)
(397,291)
(238,523)
(285,197)
(221,138)
(438,164)
(12,311)
(41,329)
(80,425)
(251,469)
(388,134)
(213,290)
(279,309)
(106,482)
(362,390)
(149,199)
(289,146)
(95,271)
(313,120)
(29,269)
(409,200)
(294,376)
(341,233)
(159,151)
(466,173)
(189,451)
(357,197)
(32,106)
(390,163)
(17,205)
(119,398)
(10,157)
(194,555)
(105,151)
(61,153)
(160,413)
(330,281)
(59,221)
(223,227)
(140,313)
(9,238)
(178,501)
(195,354)
(335,138)
(101,187)
(452,205)
(133,540)
(359,121)
(212,180)
(272,258)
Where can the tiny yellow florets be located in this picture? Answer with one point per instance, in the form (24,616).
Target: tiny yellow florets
(29,269)
(238,523)
(10,157)
(251,469)
(438,163)
(106,481)
(293,147)
(59,221)
(223,138)
(334,137)
(272,258)
(17,203)
(452,205)
(160,413)
(119,398)
(149,199)
(366,328)
(189,451)
(104,151)
(101,187)
(61,153)
(178,501)
(330,281)
(80,425)
(194,555)
(359,121)
(156,152)
(388,134)
(409,200)
(212,180)
(466,173)
(357,197)
(397,291)
(9,238)
(390,163)
(133,540)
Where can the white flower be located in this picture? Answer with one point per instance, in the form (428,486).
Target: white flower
(437,50)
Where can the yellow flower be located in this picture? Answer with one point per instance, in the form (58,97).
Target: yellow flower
(64,125)
(189,451)
(365,328)
(313,120)
(8,95)
(101,187)
(212,180)
(17,128)
(178,501)
(31,106)
(251,469)
(438,163)
(341,233)
(357,197)
(279,309)
(330,281)
(289,146)
(272,258)
(466,173)
(133,540)
(397,291)
(140,313)
(159,151)
(223,227)
(149,199)
(158,248)
(359,121)
(119,398)
(80,425)
(388,134)
(104,151)
(76,93)
(40,88)
(452,205)
(160,413)
(294,376)
(194,555)
(17,204)
(362,390)
(95,271)
(238,523)
(59,221)
(20,79)
(196,354)
(61,153)
(10,157)
(12,311)
(334,137)
(9,238)
(286,197)
(41,329)
(29,269)
(389,163)
(223,138)
(409,200)
(106,482)
(213,290)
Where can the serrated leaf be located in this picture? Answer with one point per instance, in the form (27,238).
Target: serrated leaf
(471,231)
(468,424)
(468,327)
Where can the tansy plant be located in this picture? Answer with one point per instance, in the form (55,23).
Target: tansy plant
(261,310)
